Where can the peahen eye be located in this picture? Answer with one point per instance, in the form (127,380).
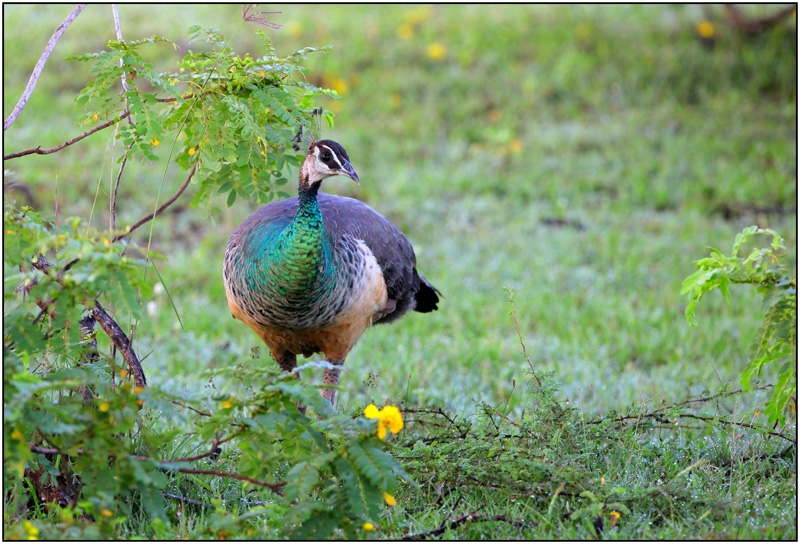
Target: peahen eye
(325,156)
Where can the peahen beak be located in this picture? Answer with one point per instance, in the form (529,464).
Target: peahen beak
(348,170)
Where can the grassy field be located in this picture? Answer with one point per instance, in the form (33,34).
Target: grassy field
(580,157)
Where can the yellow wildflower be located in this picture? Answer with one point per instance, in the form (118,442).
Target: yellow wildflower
(389,499)
(227,403)
(705,29)
(405,31)
(192,151)
(95,117)
(368,526)
(295,29)
(17,435)
(138,390)
(104,406)
(388,417)
(156,142)
(436,51)
(602,479)
(31,529)
(105,512)
(614,517)
(339,85)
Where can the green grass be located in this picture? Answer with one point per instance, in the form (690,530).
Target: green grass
(583,157)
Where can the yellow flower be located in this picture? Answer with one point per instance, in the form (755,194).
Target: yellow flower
(614,517)
(368,526)
(388,417)
(105,512)
(295,29)
(17,435)
(389,499)
(192,151)
(339,85)
(436,51)
(705,29)
(602,479)
(156,142)
(104,406)
(95,117)
(31,529)
(138,390)
(227,403)
(405,31)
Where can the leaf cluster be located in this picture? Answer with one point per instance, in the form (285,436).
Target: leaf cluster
(234,115)
(777,341)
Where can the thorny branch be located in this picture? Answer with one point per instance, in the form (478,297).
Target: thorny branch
(37,70)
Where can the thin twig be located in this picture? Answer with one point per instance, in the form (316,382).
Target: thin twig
(276,487)
(182,405)
(186,500)
(737,424)
(211,452)
(37,70)
(39,151)
(519,335)
(163,207)
(466,519)
(112,221)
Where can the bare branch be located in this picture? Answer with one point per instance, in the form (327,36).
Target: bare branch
(40,151)
(276,487)
(122,343)
(37,70)
(163,207)
(118,29)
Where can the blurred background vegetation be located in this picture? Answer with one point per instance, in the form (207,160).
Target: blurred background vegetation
(582,155)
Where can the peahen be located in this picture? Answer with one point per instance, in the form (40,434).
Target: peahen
(309,274)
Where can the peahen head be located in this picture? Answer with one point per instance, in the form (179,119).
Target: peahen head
(325,158)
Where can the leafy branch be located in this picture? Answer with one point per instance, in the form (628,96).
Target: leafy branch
(777,342)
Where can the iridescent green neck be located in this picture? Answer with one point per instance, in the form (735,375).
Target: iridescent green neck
(298,256)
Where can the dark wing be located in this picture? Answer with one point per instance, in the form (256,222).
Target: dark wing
(392,250)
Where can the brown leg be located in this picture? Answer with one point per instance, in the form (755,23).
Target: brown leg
(332,378)
(287,361)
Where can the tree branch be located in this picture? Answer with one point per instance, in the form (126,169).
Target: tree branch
(39,151)
(118,29)
(122,343)
(163,207)
(276,487)
(37,70)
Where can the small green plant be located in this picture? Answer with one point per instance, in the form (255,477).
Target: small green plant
(777,342)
